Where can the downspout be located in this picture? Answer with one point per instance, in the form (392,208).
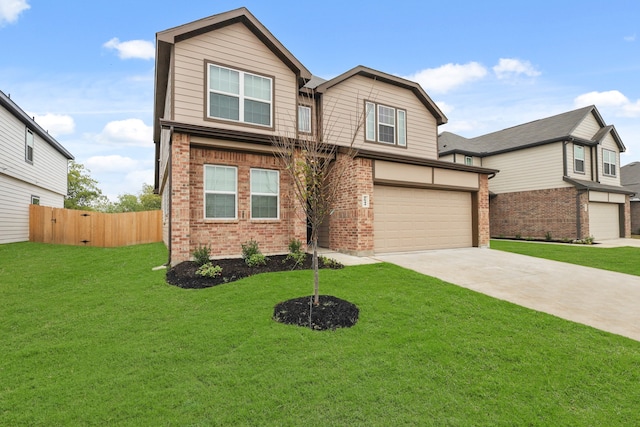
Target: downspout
(595,166)
(564,158)
(170,186)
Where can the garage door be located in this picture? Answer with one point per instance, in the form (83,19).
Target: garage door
(604,221)
(410,219)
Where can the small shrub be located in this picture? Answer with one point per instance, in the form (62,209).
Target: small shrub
(329,262)
(518,236)
(201,255)
(250,248)
(255,260)
(209,270)
(295,252)
(547,236)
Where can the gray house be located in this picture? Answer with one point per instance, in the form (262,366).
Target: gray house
(630,178)
(559,176)
(33,170)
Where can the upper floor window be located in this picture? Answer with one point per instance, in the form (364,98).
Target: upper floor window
(265,191)
(220,192)
(609,162)
(35,200)
(304,119)
(578,158)
(28,146)
(468,160)
(385,124)
(239,96)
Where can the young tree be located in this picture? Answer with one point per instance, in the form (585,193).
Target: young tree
(146,200)
(311,160)
(82,190)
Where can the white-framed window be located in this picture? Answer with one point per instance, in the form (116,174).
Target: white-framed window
(609,162)
(28,146)
(265,194)
(304,119)
(578,158)
(35,200)
(239,96)
(385,124)
(468,160)
(220,192)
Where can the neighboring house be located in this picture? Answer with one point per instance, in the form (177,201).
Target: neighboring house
(33,170)
(226,87)
(559,177)
(630,178)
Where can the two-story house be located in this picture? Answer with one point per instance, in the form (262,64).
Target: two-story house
(559,176)
(226,88)
(33,170)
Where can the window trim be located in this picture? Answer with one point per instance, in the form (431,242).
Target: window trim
(251,194)
(372,124)
(29,137)
(241,97)
(611,165)
(576,159)
(205,192)
(309,121)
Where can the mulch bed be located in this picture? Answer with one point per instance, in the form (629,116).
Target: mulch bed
(184,274)
(329,314)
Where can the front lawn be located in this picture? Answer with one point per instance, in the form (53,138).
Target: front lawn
(93,336)
(622,260)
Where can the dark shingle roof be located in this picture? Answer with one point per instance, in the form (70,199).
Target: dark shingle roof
(630,177)
(538,132)
(596,186)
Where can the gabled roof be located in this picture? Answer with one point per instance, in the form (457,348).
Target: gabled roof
(630,177)
(390,79)
(19,113)
(167,38)
(538,132)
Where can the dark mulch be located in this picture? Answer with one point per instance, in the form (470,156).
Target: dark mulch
(330,313)
(184,274)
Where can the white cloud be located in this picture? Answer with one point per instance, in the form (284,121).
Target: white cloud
(11,9)
(56,124)
(138,49)
(112,163)
(612,99)
(129,132)
(446,108)
(509,68)
(448,76)
(630,38)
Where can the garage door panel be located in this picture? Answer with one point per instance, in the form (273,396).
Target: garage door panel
(604,220)
(407,219)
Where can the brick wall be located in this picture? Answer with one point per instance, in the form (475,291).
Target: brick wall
(536,213)
(484,229)
(632,214)
(225,237)
(351,225)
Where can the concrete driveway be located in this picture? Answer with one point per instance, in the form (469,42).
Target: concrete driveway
(605,300)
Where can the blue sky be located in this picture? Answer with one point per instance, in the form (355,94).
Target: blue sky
(84,69)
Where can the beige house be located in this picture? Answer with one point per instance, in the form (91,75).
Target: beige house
(33,170)
(226,88)
(559,176)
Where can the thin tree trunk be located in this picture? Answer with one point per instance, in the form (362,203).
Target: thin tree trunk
(316,276)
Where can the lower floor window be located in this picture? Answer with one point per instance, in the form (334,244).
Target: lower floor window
(265,192)
(220,192)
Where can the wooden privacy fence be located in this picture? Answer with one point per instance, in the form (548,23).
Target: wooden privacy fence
(87,228)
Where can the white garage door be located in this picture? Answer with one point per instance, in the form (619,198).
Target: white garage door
(604,221)
(410,219)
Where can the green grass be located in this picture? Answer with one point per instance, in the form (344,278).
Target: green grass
(623,259)
(92,336)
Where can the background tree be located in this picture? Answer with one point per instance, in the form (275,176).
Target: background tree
(82,190)
(310,159)
(146,200)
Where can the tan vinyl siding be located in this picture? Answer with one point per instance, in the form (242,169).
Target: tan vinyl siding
(447,158)
(15,198)
(608,143)
(587,128)
(343,104)
(533,168)
(237,47)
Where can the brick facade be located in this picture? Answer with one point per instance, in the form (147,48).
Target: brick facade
(634,209)
(536,213)
(351,224)
(483,223)
(225,237)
